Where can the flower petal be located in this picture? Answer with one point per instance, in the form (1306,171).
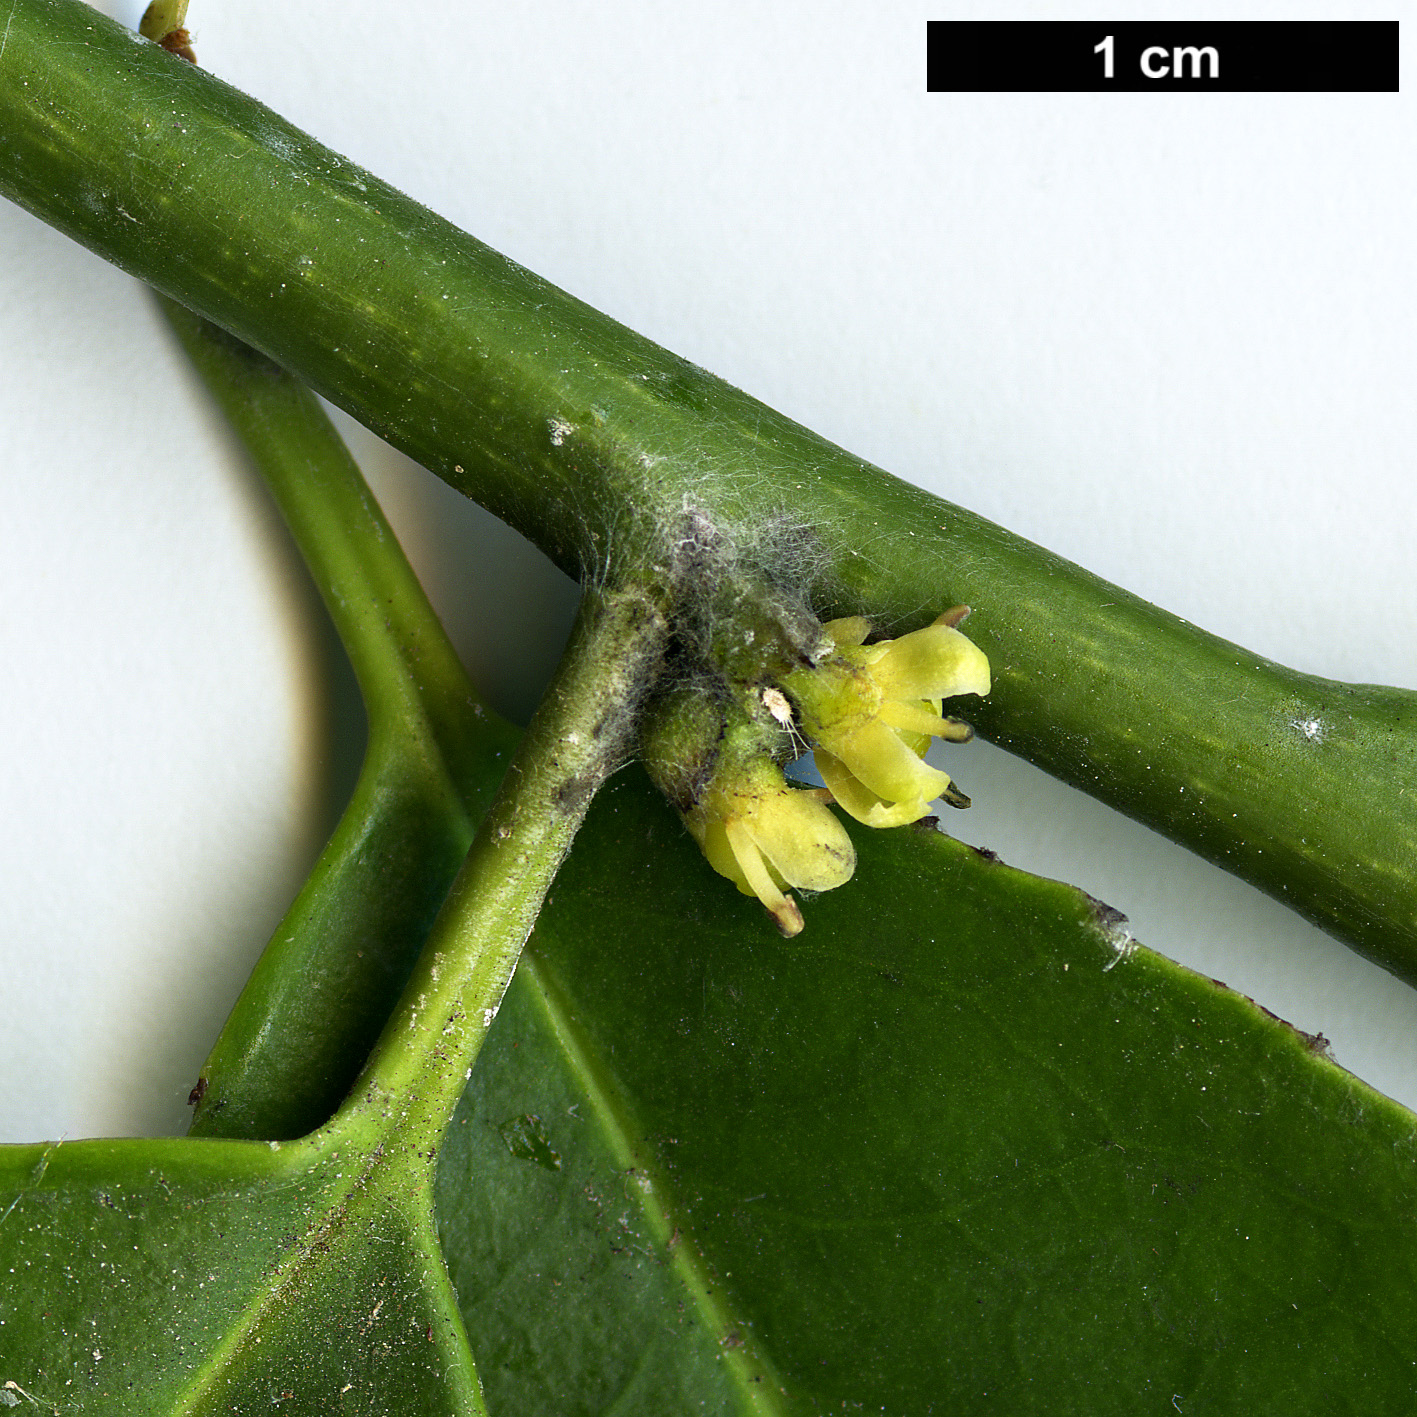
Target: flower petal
(713,838)
(860,802)
(886,765)
(934,663)
(802,838)
(915,718)
(849,631)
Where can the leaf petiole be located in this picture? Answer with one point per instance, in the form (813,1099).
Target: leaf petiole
(582,732)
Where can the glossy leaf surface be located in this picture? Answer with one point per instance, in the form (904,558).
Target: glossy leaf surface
(573,1303)
(205,1277)
(958,1147)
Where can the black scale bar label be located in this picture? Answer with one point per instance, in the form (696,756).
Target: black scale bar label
(1230,56)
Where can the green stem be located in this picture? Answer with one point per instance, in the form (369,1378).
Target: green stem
(322,990)
(583,730)
(408,671)
(611,453)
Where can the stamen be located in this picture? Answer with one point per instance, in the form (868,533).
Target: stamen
(782,908)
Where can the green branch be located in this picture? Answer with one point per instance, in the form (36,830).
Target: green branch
(611,453)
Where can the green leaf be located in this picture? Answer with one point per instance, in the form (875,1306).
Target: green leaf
(345,1219)
(958,1138)
(572,1302)
(960,1146)
(342,1225)
(218,1277)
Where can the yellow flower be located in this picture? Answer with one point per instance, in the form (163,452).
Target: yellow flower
(766,836)
(715,760)
(871,710)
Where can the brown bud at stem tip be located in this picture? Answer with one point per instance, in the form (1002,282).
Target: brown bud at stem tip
(179,42)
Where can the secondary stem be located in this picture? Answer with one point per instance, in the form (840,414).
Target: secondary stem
(408,671)
(307,1019)
(581,733)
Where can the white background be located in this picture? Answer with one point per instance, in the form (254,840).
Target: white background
(1170,336)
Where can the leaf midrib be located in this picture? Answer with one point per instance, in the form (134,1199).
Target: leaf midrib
(342,1201)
